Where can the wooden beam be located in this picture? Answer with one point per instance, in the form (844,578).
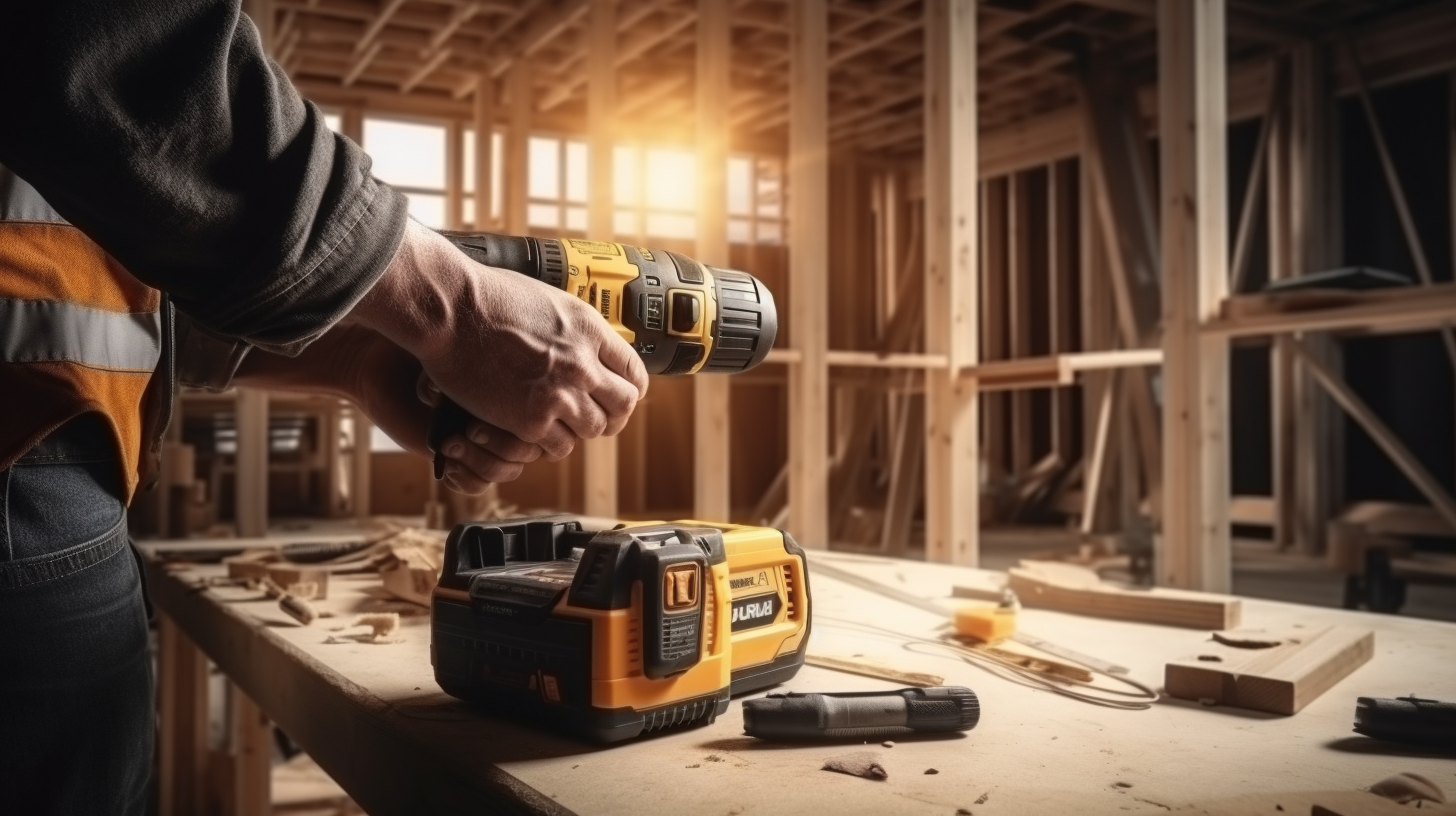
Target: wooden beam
(1405,308)
(711,450)
(1244,235)
(1194,549)
(517,162)
(808,324)
(600,464)
(377,25)
(548,21)
(429,67)
(251,473)
(360,63)
(952,296)
(484,151)
(1019,273)
(1384,437)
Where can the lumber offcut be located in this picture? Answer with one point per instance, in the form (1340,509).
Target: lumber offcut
(1070,588)
(1279,679)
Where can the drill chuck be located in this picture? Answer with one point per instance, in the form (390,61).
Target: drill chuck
(861,715)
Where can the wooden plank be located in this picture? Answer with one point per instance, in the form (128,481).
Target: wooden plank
(1280,679)
(808,177)
(712,456)
(1406,308)
(251,506)
(182,733)
(1381,433)
(1056,369)
(952,287)
(516,166)
(1076,589)
(871,668)
(1194,549)
(599,465)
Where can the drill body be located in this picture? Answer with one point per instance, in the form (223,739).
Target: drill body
(682,317)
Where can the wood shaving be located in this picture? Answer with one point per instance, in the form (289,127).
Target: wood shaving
(863,764)
(298,609)
(382,627)
(1404,788)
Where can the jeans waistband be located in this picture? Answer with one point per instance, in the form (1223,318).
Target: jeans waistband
(87,438)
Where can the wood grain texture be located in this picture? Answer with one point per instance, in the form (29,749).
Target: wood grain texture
(1280,679)
(1070,588)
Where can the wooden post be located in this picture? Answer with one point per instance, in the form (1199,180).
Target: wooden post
(517,160)
(251,473)
(360,473)
(1019,273)
(1061,232)
(952,296)
(251,746)
(454,175)
(995,277)
(1193,550)
(1100,502)
(484,149)
(1280,221)
(182,737)
(711,458)
(599,467)
(1314,243)
(351,124)
(808,319)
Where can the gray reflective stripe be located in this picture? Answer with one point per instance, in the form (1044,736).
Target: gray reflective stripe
(41,331)
(20,201)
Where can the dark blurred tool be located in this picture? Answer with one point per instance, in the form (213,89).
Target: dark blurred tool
(861,715)
(1407,719)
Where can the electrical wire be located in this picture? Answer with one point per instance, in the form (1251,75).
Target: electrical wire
(1141,698)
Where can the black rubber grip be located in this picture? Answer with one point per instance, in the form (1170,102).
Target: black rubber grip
(861,715)
(448,418)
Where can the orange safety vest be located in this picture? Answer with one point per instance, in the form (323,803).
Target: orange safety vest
(78,334)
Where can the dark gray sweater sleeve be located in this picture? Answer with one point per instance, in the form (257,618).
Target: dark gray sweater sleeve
(163,132)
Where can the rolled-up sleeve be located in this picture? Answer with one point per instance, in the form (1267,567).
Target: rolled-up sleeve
(163,131)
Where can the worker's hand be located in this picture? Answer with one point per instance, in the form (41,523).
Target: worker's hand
(523,357)
(364,367)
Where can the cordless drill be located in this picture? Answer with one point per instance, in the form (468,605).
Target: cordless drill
(682,317)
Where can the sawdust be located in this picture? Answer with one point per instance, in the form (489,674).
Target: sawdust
(864,764)
(982,799)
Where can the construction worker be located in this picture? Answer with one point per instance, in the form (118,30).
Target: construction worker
(171,210)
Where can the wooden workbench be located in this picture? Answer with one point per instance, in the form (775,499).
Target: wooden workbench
(373,718)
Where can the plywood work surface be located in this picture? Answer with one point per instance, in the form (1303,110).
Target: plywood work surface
(372,717)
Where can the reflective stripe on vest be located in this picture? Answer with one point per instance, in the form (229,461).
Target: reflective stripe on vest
(48,331)
(78,333)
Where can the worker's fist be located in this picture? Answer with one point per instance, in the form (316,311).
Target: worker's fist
(521,356)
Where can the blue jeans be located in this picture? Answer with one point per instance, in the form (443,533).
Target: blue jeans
(77,724)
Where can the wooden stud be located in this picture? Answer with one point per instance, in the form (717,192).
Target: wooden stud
(359,485)
(1061,232)
(711,451)
(1019,273)
(182,733)
(600,462)
(251,473)
(454,175)
(1243,236)
(1194,549)
(251,747)
(484,151)
(1280,220)
(994,283)
(517,160)
(1098,331)
(808,323)
(952,308)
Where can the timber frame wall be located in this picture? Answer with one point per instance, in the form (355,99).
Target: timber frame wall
(993,278)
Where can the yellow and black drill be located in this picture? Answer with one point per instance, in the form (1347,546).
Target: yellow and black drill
(682,317)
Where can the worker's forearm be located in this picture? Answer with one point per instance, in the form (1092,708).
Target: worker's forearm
(419,295)
(164,132)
